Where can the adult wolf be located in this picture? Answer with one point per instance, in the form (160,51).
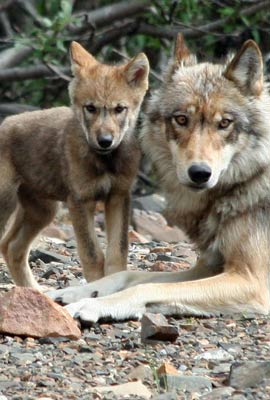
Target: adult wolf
(207,131)
(79,155)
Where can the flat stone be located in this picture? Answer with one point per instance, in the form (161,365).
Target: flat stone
(126,389)
(154,327)
(218,393)
(248,374)
(186,383)
(47,256)
(27,312)
(142,372)
(215,355)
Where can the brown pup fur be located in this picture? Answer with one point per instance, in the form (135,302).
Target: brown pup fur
(79,155)
(207,132)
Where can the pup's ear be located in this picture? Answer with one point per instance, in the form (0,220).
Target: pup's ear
(137,71)
(181,51)
(246,69)
(80,58)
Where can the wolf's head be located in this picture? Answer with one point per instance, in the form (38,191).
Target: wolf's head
(214,117)
(106,99)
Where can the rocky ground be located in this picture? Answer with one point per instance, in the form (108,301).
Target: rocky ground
(212,358)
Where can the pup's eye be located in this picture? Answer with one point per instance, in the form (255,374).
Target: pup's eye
(90,108)
(119,109)
(182,120)
(224,123)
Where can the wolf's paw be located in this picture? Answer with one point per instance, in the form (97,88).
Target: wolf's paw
(86,310)
(70,294)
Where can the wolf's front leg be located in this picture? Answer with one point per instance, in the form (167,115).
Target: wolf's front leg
(117,220)
(225,293)
(91,256)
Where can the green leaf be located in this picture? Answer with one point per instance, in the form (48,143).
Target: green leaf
(47,22)
(66,7)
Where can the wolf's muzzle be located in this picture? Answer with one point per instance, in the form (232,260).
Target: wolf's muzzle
(199,173)
(105,141)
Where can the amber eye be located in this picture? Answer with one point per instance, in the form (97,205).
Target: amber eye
(182,120)
(224,123)
(90,108)
(119,109)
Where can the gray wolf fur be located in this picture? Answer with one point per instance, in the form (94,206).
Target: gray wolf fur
(207,132)
(79,155)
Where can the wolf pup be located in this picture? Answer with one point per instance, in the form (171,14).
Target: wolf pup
(79,155)
(207,132)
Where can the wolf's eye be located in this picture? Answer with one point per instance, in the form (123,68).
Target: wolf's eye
(224,123)
(119,109)
(182,120)
(90,108)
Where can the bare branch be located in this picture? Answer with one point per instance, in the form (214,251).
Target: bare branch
(108,14)
(13,56)
(24,73)
(5,24)
(14,108)
(30,10)
(6,4)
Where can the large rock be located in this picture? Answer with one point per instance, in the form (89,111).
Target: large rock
(155,227)
(170,379)
(248,374)
(27,312)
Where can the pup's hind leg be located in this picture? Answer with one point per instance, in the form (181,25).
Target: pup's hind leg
(8,194)
(31,216)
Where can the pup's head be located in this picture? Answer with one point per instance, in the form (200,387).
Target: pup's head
(106,99)
(209,113)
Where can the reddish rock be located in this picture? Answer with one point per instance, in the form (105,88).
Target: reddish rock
(160,266)
(134,236)
(161,250)
(27,312)
(167,369)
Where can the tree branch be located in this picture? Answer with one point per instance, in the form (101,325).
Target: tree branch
(6,4)
(171,32)
(108,14)
(13,56)
(24,73)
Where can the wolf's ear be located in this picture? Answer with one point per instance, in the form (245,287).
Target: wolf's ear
(80,57)
(137,70)
(181,51)
(246,69)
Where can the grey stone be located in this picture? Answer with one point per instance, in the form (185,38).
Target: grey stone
(47,256)
(153,202)
(156,328)
(218,394)
(215,355)
(248,374)
(166,396)
(186,383)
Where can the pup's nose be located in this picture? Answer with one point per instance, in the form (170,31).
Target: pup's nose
(199,173)
(105,140)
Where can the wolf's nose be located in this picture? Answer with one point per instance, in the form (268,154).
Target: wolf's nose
(199,173)
(105,141)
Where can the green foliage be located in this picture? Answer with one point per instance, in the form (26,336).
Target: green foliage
(50,38)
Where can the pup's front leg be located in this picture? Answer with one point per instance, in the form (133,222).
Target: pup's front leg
(91,256)
(117,220)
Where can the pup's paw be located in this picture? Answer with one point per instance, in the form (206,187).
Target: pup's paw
(86,310)
(70,294)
